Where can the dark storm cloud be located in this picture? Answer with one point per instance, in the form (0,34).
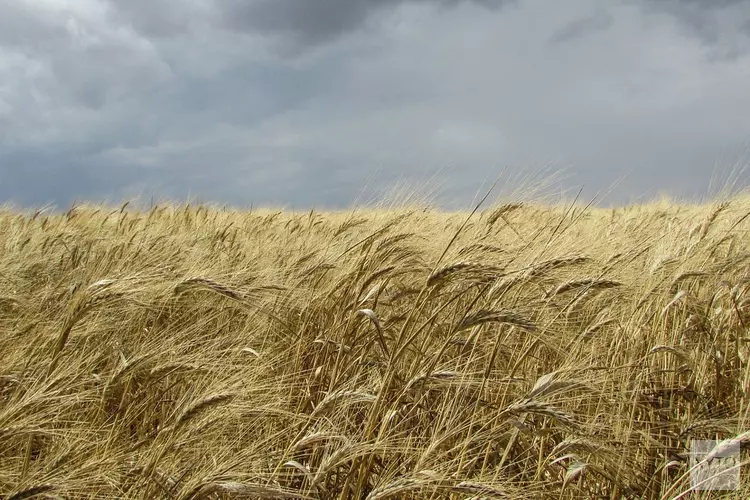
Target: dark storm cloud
(33,178)
(601,20)
(106,99)
(301,22)
(314,22)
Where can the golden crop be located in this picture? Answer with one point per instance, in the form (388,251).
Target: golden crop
(527,351)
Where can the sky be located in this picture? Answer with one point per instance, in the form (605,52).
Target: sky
(329,103)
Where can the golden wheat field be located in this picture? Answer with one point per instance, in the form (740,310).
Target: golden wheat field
(521,351)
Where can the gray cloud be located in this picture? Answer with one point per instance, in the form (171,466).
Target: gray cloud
(304,24)
(601,20)
(107,99)
(297,23)
(721,25)
(703,4)
(160,18)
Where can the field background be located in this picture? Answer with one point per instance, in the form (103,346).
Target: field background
(527,351)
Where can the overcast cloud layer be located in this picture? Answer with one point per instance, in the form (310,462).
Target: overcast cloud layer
(307,103)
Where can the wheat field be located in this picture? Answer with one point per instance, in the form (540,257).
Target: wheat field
(521,351)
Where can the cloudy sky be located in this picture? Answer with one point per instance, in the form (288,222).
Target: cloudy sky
(315,102)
